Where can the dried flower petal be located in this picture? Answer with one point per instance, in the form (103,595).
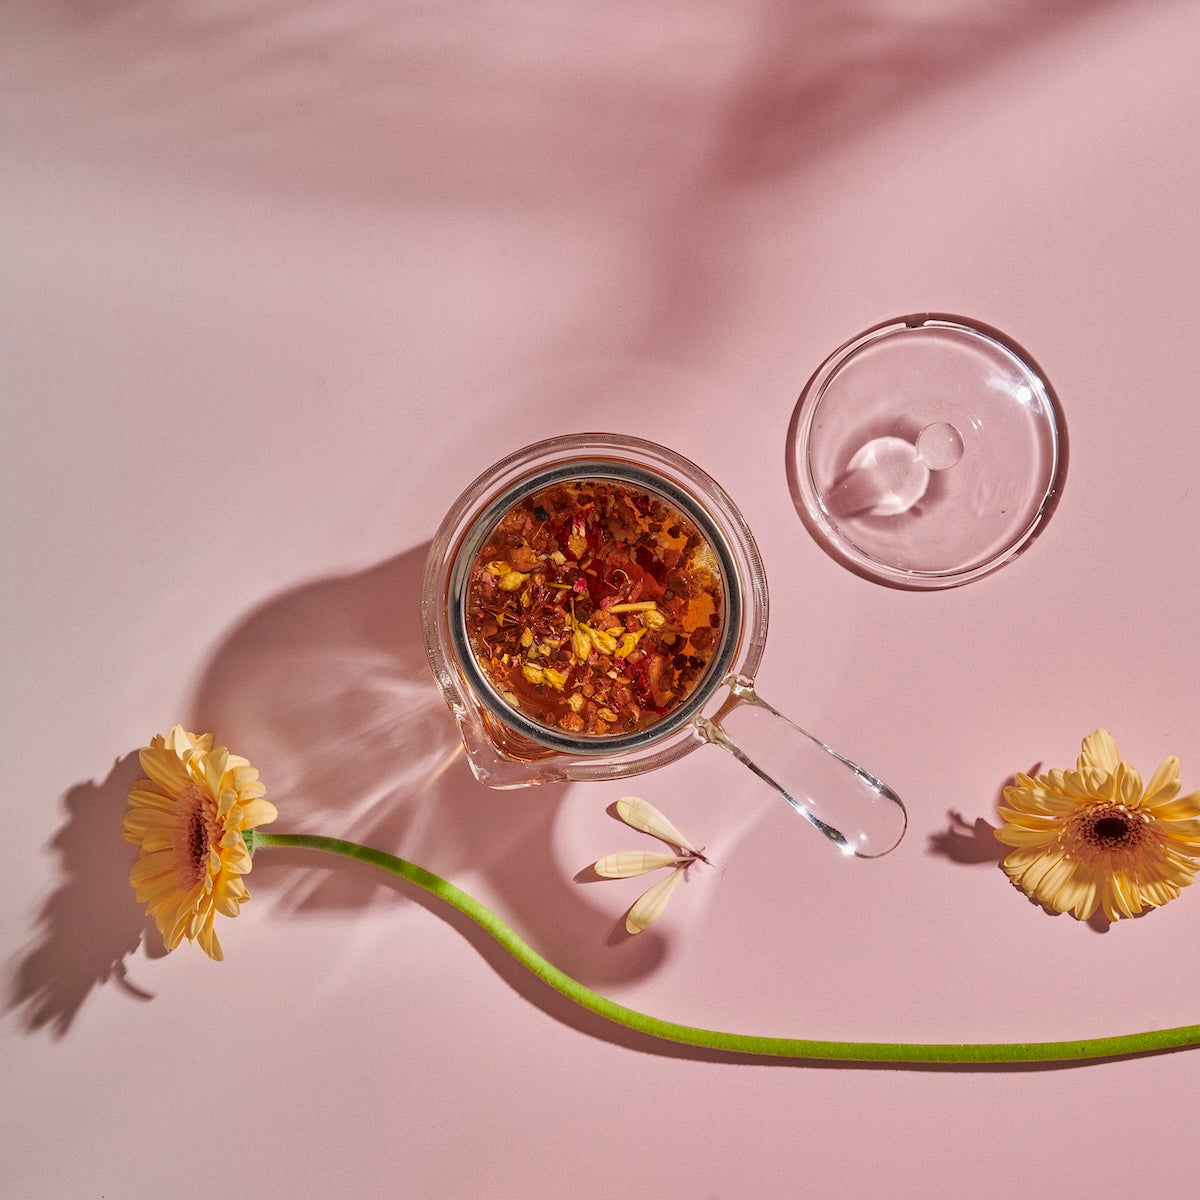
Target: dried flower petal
(650,904)
(641,814)
(634,862)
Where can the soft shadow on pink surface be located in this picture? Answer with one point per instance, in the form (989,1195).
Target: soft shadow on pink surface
(967,843)
(276,89)
(559,1008)
(327,689)
(818,76)
(649,128)
(973,843)
(91,923)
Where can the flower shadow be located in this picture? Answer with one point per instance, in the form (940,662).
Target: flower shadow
(974,843)
(327,690)
(91,922)
(967,843)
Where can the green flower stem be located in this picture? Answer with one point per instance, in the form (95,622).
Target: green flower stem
(738,1043)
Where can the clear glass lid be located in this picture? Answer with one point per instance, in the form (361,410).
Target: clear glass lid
(926,452)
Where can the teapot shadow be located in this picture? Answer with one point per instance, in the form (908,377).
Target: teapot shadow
(327,690)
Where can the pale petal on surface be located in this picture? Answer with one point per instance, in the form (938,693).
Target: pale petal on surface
(1030,820)
(163,768)
(1100,750)
(1127,786)
(1164,784)
(1183,808)
(650,905)
(258,812)
(634,862)
(206,938)
(144,794)
(641,814)
(1013,836)
(1123,897)
(214,770)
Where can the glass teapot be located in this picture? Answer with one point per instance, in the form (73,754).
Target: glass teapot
(594,606)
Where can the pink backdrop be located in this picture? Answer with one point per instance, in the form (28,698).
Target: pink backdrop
(278,281)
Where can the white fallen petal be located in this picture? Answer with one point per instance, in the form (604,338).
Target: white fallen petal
(641,814)
(650,904)
(634,862)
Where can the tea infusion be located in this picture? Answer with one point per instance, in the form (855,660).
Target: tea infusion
(594,607)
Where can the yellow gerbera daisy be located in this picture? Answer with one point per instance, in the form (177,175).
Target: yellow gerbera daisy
(187,819)
(1096,838)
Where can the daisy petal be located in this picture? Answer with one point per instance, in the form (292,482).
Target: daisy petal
(258,812)
(1164,784)
(641,814)
(1127,786)
(1100,750)
(651,903)
(634,862)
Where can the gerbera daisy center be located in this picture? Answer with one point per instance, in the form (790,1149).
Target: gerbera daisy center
(199,838)
(1104,829)
(1111,829)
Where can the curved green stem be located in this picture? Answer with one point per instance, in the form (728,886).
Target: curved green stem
(737,1043)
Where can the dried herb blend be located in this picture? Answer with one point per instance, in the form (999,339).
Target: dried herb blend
(594,607)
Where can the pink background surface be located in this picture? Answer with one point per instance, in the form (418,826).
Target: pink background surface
(278,281)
